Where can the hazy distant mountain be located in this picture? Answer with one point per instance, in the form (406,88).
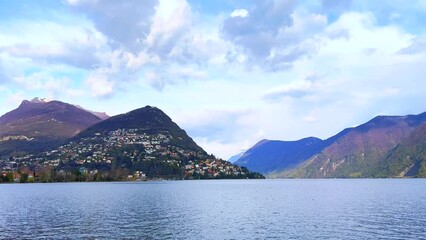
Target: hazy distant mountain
(268,156)
(235,158)
(385,146)
(39,123)
(356,152)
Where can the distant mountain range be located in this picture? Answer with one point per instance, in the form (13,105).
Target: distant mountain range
(386,146)
(42,131)
(40,123)
(267,156)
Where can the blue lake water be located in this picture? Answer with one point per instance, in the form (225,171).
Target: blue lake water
(216,209)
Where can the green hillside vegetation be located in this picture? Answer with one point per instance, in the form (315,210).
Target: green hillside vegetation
(408,159)
(138,145)
(150,120)
(386,146)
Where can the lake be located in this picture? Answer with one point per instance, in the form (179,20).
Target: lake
(216,209)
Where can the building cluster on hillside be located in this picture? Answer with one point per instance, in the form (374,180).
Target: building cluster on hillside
(138,146)
(102,149)
(131,144)
(212,168)
(19,137)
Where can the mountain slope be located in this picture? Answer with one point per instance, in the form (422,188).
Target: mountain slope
(268,156)
(38,124)
(237,156)
(145,141)
(408,159)
(359,149)
(101,115)
(149,120)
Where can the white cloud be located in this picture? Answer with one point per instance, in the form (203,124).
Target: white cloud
(417,46)
(273,35)
(296,89)
(173,74)
(339,85)
(136,62)
(42,80)
(160,45)
(318,72)
(125,23)
(170,22)
(99,83)
(240,13)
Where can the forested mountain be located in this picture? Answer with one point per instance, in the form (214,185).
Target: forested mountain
(372,149)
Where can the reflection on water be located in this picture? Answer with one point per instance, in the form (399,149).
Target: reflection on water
(217,209)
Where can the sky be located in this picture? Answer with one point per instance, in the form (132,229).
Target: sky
(229,72)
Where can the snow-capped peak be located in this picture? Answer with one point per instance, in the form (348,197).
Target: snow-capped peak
(40,100)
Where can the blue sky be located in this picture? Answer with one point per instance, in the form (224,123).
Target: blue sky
(229,72)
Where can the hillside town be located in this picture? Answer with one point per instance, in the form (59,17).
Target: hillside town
(122,154)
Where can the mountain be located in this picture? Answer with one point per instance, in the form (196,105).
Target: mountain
(373,149)
(235,158)
(149,120)
(355,152)
(408,159)
(270,156)
(40,123)
(101,115)
(144,142)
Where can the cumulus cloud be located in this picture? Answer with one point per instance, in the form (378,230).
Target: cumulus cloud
(77,55)
(272,35)
(52,87)
(170,23)
(417,46)
(135,62)
(309,63)
(240,13)
(53,43)
(100,84)
(125,23)
(173,74)
(297,89)
(154,41)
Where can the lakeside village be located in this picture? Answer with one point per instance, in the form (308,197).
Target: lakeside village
(120,155)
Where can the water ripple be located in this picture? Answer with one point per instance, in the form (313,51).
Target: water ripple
(236,209)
